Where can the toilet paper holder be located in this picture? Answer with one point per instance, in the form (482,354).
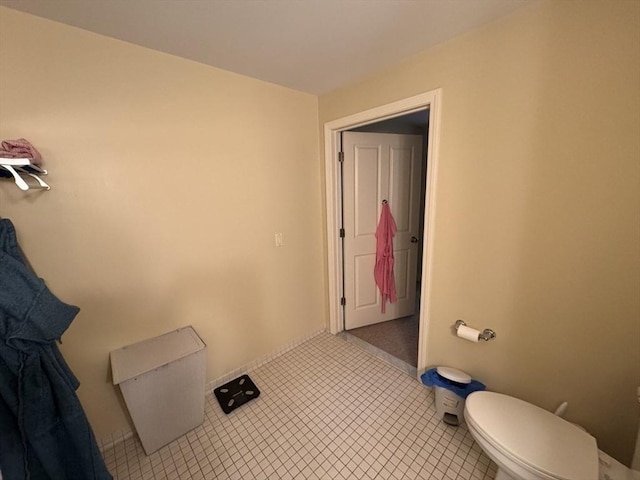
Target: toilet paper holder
(486,335)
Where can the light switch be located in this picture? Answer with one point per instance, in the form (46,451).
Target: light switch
(279,240)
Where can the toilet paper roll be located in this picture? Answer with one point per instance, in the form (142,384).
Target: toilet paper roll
(468,333)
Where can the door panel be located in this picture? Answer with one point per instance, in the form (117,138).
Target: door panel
(367,165)
(365,295)
(377,167)
(402,259)
(400,197)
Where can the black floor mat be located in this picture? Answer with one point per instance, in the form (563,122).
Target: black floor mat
(236,393)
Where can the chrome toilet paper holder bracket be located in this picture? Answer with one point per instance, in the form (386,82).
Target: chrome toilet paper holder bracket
(486,335)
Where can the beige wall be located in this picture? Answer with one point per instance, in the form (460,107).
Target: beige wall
(537,227)
(169,179)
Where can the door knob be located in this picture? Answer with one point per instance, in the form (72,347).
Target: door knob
(414,240)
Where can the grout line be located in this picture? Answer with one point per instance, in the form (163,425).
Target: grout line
(262,360)
(114,438)
(327,410)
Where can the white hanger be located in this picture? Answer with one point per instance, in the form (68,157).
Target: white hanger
(20,164)
(40,181)
(22,185)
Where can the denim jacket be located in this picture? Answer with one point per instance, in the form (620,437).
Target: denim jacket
(44,433)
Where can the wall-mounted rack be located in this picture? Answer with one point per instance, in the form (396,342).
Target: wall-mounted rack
(18,167)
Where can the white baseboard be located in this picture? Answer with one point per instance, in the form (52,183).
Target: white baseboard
(112,439)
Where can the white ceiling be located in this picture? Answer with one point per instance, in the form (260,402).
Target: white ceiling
(310,45)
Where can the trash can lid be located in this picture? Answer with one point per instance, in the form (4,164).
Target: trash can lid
(142,357)
(454,375)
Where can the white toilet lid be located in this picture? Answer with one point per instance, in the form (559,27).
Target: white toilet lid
(534,437)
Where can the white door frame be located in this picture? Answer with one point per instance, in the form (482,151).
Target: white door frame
(431,100)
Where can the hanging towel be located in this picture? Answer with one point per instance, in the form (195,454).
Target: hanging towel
(383,271)
(20,148)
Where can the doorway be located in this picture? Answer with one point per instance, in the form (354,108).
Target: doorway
(429,101)
(385,162)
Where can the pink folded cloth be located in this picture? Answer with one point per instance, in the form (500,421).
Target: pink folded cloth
(20,148)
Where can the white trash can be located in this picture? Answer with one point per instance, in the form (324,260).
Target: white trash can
(163,384)
(449,405)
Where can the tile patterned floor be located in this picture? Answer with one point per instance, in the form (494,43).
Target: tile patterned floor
(327,410)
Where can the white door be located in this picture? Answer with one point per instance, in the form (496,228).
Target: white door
(377,167)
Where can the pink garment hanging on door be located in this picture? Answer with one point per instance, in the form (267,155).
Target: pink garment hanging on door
(383,271)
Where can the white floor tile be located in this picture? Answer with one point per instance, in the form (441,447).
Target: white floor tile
(328,410)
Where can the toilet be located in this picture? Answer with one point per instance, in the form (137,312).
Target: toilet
(527,442)
(530,443)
